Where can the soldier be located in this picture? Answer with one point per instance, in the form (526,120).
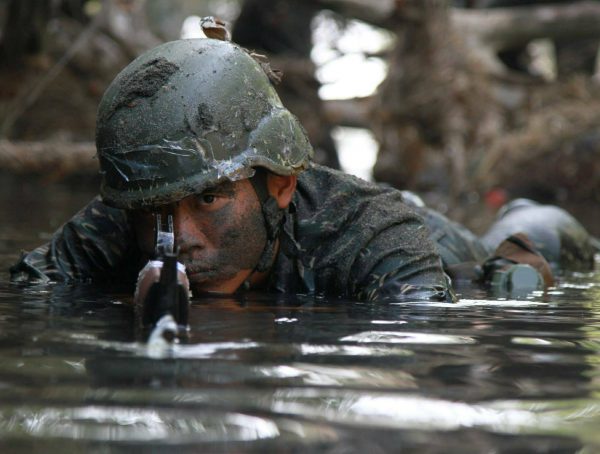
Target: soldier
(193,129)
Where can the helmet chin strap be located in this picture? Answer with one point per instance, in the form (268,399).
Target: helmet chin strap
(273,216)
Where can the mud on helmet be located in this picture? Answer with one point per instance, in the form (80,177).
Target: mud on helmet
(187,115)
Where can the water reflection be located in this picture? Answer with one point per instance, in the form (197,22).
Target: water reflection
(79,369)
(135,424)
(278,374)
(392,337)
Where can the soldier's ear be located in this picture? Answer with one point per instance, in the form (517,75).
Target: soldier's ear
(282,188)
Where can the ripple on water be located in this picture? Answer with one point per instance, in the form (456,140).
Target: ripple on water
(499,302)
(419,412)
(543,342)
(102,423)
(400,337)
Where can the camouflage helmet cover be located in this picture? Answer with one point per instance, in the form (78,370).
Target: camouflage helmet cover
(187,115)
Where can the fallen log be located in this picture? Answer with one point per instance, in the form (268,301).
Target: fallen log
(355,112)
(52,159)
(497,28)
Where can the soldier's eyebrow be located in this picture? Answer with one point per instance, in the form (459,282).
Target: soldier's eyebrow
(226,188)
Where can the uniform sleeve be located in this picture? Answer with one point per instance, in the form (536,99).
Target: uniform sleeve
(401,264)
(97,244)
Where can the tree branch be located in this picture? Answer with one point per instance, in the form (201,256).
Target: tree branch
(503,28)
(21,103)
(353,112)
(498,28)
(373,12)
(56,158)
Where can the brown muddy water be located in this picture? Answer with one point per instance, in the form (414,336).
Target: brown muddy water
(289,374)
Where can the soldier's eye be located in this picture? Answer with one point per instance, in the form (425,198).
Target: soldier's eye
(208,198)
(212,199)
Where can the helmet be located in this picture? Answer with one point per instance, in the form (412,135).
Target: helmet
(187,115)
(557,235)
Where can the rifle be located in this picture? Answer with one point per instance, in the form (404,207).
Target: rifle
(167,297)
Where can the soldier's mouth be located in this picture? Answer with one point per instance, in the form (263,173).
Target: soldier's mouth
(200,273)
(207,283)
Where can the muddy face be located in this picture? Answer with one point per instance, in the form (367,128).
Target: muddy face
(220,234)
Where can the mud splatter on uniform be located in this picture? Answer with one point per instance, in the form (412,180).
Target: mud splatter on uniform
(342,237)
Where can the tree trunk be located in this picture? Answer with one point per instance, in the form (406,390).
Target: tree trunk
(433,106)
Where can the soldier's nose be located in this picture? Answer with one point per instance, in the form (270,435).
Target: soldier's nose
(187,233)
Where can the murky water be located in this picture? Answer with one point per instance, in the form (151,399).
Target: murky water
(291,374)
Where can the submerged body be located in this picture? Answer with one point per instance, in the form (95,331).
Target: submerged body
(341,237)
(559,237)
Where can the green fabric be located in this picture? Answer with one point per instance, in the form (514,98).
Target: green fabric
(342,237)
(97,244)
(455,243)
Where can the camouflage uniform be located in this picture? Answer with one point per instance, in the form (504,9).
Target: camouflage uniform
(342,237)
(190,114)
(455,243)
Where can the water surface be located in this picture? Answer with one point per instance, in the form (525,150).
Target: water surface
(290,374)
